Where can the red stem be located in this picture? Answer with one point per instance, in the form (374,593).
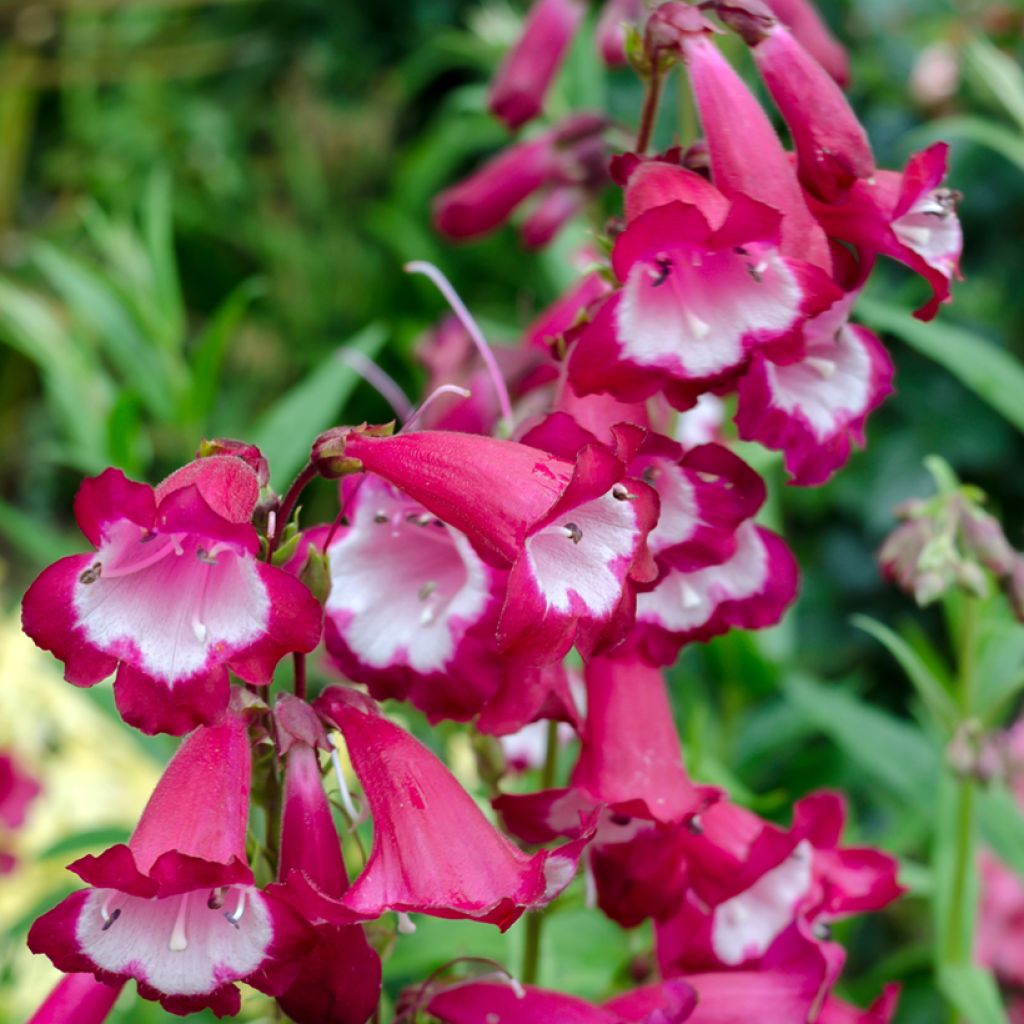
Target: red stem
(652,97)
(299,665)
(284,513)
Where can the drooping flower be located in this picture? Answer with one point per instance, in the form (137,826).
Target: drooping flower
(571,533)
(521,84)
(77,999)
(176,908)
(339,980)
(803,20)
(815,408)
(433,851)
(173,596)
(906,216)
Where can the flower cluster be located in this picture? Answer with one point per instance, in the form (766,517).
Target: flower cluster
(585,499)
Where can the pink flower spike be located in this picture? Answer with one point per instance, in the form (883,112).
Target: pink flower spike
(816,408)
(831,145)
(486,199)
(176,908)
(418,808)
(806,24)
(173,597)
(521,84)
(835,1011)
(77,999)
(747,157)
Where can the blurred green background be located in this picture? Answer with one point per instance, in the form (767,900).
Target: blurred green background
(200,202)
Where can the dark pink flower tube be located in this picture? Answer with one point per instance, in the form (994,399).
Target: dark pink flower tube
(77,999)
(832,148)
(518,90)
(803,20)
(434,852)
(176,908)
(340,977)
(835,1011)
(485,199)
(174,595)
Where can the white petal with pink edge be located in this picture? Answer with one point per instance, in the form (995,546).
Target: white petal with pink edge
(585,555)
(931,228)
(168,602)
(185,945)
(404,586)
(746,925)
(695,311)
(686,600)
(679,513)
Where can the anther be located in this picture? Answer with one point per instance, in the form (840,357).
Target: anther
(419,518)
(821,931)
(205,557)
(660,271)
(428,588)
(621,493)
(617,818)
(380,516)
(234,916)
(92,574)
(216,900)
(573,532)
(755,274)
(109,919)
(824,368)
(695,826)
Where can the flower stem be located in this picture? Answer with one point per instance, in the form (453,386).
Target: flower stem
(535,919)
(649,114)
(284,513)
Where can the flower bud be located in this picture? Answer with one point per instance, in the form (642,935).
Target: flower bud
(248,453)
(328,452)
(984,538)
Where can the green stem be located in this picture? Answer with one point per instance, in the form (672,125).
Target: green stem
(535,919)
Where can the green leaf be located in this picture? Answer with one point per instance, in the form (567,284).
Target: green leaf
(93,839)
(929,687)
(158,231)
(1002,825)
(894,753)
(990,134)
(989,371)
(999,670)
(974,993)
(955,893)
(212,343)
(35,540)
(291,425)
(1000,73)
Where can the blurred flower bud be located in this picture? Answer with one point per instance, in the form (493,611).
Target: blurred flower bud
(935,75)
(984,538)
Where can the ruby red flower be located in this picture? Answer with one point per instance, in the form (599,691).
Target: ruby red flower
(173,596)
(77,999)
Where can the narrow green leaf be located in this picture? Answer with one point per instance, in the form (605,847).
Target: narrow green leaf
(93,839)
(158,231)
(1001,73)
(999,671)
(212,343)
(95,302)
(1002,825)
(929,687)
(974,993)
(35,540)
(989,371)
(287,430)
(967,128)
(889,750)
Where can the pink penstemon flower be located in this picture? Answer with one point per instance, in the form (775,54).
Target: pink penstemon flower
(173,596)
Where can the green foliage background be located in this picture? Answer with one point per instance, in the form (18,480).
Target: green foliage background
(201,200)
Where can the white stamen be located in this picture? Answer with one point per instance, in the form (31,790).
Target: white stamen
(824,368)
(589,885)
(428,615)
(378,379)
(444,389)
(428,588)
(176,544)
(346,796)
(235,915)
(199,629)
(700,329)
(105,912)
(271,524)
(154,556)
(691,599)
(179,940)
(760,268)
(405,924)
(472,329)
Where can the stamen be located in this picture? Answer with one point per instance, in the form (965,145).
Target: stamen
(179,940)
(691,599)
(176,544)
(346,796)
(109,919)
(444,389)
(383,383)
(755,274)
(380,516)
(445,288)
(419,518)
(695,826)
(660,271)
(428,588)
(405,924)
(154,556)
(271,524)
(573,532)
(216,899)
(589,885)
(824,368)
(621,493)
(234,916)
(92,574)
(700,329)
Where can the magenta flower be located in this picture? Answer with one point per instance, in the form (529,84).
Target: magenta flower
(519,88)
(176,909)
(339,979)
(419,810)
(571,533)
(814,408)
(906,217)
(835,1011)
(77,999)
(803,20)
(173,596)
(704,284)
(486,1002)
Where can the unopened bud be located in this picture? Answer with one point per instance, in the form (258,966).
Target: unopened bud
(669,24)
(971,577)
(751,20)
(328,452)
(316,574)
(984,538)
